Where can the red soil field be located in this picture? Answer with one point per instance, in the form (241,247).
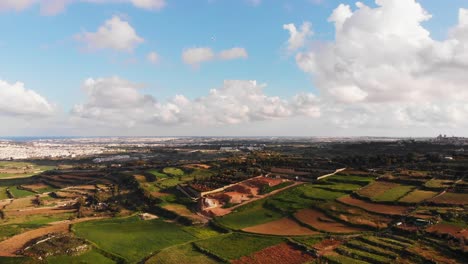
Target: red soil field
(320,221)
(282,253)
(451,198)
(327,246)
(372,207)
(455,231)
(284,227)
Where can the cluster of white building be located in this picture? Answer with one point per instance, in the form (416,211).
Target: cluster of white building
(16,151)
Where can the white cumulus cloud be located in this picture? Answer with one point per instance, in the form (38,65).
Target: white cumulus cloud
(196,56)
(115,101)
(384,69)
(234,53)
(298,38)
(16,100)
(115,33)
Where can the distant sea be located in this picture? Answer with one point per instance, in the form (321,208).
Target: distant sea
(26,139)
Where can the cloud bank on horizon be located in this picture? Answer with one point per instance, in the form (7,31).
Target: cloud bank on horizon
(383,71)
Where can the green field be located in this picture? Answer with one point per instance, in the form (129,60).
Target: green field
(201,232)
(89,257)
(438,184)
(15,169)
(173,171)
(340,187)
(17,193)
(308,241)
(234,246)
(394,194)
(353,179)
(184,254)
(249,215)
(158,174)
(132,238)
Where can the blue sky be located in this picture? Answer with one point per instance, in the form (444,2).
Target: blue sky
(42,52)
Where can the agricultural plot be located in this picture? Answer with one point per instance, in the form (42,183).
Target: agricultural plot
(376,189)
(353,215)
(159,175)
(236,245)
(303,196)
(339,187)
(184,254)
(451,198)
(281,227)
(282,253)
(351,179)
(320,221)
(13,169)
(132,238)
(438,184)
(173,171)
(250,214)
(381,191)
(18,193)
(3,193)
(450,229)
(393,194)
(373,207)
(360,254)
(417,196)
(89,257)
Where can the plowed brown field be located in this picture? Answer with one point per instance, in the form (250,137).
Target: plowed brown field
(321,222)
(373,207)
(284,227)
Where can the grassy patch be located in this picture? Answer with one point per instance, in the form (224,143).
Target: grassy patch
(184,254)
(340,187)
(353,179)
(173,171)
(417,196)
(201,232)
(158,174)
(17,193)
(308,241)
(249,215)
(234,246)
(131,237)
(89,257)
(393,194)
(438,184)
(268,189)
